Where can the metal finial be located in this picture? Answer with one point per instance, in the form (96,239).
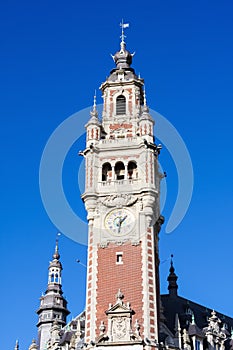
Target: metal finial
(56,247)
(56,254)
(57,241)
(94,112)
(172,269)
(123,26)
(94,103)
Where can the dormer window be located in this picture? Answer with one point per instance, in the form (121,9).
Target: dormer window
(120,105)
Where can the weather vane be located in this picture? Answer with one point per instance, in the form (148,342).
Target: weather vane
(123,26)
(57,237)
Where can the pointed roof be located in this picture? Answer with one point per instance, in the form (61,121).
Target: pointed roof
(56,256)
(145,109)
(93,115)
(172,280)
(194,329)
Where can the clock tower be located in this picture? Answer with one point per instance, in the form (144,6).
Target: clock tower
(121,197)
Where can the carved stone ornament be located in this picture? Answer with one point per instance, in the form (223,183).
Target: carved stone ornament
(119,328)
(119,200)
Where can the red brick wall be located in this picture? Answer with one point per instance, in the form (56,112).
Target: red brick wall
(126,276)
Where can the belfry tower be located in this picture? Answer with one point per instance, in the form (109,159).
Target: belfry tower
(53,306)
(122,197)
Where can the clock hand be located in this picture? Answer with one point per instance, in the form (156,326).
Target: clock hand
(123,219)
(117,223)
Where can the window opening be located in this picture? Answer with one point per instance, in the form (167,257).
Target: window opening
(106,172)
(120,171)
(119,258)
(132,170)
(120,105)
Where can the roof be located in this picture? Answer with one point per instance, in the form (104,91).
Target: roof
(186,309)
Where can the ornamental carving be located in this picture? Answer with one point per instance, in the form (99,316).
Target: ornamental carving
(119,328)
(119,200)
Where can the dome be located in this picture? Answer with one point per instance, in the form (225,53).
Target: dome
(123,58)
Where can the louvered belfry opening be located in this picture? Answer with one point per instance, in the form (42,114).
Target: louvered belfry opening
(121,105)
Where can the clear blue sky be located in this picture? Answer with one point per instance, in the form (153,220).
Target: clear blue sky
(53,56)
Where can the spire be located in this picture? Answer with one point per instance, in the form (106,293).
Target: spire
(145,107)
(94,112)
(93,115)
(123,58)
(123,26)
(172,278)
(16,345)
(56,254)
(178,333)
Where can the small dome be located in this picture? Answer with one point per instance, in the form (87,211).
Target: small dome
(56,255)
(123,58)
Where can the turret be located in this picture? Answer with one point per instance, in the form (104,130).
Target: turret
(53,306)
(172,280)
(93,127)
(146,123)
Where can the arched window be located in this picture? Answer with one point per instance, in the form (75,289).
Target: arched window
(120,105)
(120,171)
(56,278)
(52,277)
(132,170)
(106,172)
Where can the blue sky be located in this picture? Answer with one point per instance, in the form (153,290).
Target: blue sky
(53,56)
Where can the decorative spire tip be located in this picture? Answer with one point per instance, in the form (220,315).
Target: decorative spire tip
(94,112)
(123,26)
(144,96)
(56,254)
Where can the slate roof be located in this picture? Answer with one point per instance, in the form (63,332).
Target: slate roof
(174,304)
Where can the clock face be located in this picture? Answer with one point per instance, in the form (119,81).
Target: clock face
(119,221)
